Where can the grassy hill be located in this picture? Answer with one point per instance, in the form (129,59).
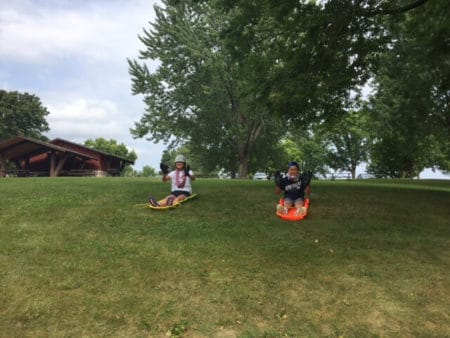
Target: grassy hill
(79,258)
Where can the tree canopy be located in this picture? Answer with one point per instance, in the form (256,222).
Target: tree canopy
(112,147)
(22,114)
(199,94)
(410,107)
(316,52)
(235,76)
(348,142)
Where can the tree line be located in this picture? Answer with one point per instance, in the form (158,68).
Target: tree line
(239,83)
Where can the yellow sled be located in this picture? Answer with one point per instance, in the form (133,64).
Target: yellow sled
(171,206)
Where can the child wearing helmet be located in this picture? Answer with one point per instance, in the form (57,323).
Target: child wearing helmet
(181,179)
(294,186)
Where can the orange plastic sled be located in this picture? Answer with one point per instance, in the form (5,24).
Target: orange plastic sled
(291,216)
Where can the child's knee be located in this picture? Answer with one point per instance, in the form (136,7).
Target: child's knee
(299,202)
(180,198)
(288,203)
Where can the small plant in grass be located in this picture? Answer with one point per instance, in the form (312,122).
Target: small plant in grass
(178,329)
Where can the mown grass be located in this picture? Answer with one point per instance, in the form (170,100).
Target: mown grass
(77,258)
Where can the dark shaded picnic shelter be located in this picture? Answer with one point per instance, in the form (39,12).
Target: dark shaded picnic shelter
(57,157)
(20,150)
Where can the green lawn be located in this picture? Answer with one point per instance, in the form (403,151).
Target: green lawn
(78,258)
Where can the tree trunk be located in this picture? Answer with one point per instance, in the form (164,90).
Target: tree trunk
(245,148)
(243,167)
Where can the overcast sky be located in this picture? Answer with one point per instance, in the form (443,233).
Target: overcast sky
(72,55)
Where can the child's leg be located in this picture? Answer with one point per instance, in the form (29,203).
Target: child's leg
(281,209)
(179,199)
(153,202)
(288,203)
(299,204)
(167,201)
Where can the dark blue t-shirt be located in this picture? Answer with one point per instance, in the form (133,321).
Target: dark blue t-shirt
(293,189)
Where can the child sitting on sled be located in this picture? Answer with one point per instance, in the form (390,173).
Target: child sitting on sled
(294,186)
(181,179)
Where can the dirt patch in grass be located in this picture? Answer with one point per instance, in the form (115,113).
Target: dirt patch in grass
(225,333)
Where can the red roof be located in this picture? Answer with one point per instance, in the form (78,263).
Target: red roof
(14,148)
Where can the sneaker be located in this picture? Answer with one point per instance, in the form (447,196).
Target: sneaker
(153,202)
(300,211)
(282,209)
(169,201)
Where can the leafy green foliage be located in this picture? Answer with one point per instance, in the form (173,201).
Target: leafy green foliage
(22,114)
(199,94)
(308,150)
(178,329)
(314,52)
(148,171)
(318,52)
(410,108)
(235,76)
(111,147)
(348,142)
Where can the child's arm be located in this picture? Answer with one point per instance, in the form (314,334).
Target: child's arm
(278,182)
(165,170)
(277,190)
(308,190)
(188,172)
(192,177)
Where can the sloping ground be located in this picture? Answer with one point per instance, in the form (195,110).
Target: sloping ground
(78,259)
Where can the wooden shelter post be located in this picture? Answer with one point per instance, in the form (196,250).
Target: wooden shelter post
(52,163)
(55,165)
(2,166)
(61,163)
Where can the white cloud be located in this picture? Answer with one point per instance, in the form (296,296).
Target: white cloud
(79,119)
(100,31)
(83,119)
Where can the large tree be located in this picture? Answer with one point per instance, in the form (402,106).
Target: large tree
(229,68)
(199,93)
(321,52)
(348,142)
(411,104)
(22,114)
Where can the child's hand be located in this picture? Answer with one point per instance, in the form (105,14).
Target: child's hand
(278,178)
(164,168)
(186,170)
(306,178)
